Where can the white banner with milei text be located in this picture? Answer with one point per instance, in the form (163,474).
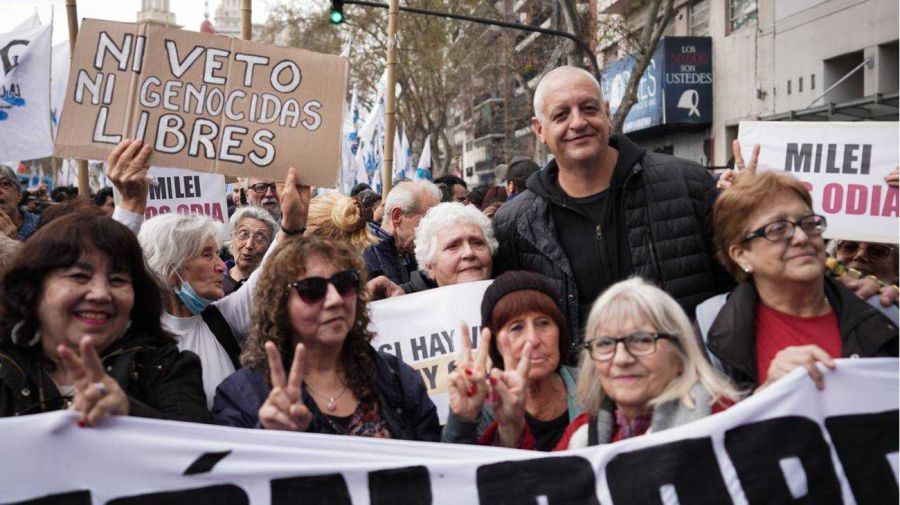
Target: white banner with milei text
(186,192)
(842,164)
(790,444)
(423,329)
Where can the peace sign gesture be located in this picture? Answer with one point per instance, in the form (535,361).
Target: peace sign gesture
(507,397)
(284,408)
(728,177)
(97,395)
(467,383)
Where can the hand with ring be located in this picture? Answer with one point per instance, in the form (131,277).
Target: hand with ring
(97,395)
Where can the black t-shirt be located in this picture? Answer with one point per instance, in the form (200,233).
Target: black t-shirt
(592,234)
(547,433)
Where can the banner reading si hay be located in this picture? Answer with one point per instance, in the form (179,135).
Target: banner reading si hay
(842,164)
(422,329)
(789,444)
(204,102)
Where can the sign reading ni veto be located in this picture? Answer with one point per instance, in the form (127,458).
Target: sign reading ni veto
(204,102)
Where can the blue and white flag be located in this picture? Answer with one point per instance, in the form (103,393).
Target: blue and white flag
(25,130)
(59,78)
(423,169)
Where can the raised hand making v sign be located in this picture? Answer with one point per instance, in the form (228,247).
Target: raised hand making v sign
(284,408)
(97,395)
(467,383)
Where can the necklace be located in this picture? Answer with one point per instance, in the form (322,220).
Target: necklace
(332,402)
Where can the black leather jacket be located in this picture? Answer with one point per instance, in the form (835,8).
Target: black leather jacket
(160,381)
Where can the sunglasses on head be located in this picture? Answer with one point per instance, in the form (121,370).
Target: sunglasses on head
(314,289)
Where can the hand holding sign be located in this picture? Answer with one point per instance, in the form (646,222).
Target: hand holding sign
(508,390)
(284,408)
(790,358)
(467,385)
(97,395)
(729,177)
(294,204)
(127,170)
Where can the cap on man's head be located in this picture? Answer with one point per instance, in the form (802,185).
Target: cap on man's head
(7,172)
(500,171)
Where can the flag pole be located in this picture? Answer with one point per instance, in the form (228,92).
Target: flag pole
(389,133)
(84,188)
(246,17)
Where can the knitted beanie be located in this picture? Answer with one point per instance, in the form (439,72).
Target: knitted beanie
(515,280)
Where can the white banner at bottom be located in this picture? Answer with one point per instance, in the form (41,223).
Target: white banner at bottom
(791,443)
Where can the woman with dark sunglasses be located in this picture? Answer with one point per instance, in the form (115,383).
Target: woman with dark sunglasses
(785,313)
(869,258)
(310,312)
(641,370)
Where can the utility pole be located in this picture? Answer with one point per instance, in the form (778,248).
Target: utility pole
(84,187)
(389,100)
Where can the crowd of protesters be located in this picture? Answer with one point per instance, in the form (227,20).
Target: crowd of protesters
(632,293)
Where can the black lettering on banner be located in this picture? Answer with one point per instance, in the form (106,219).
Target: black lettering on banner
(862,443)
(220,494)
(798,157)
(313,490)
(558,480)
(68,498)
(419,348)
(5,60)
(686,467)
(410,485)
(757,450)
(430,375)
(206,462)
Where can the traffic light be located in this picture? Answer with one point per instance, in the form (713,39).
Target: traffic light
(337,12)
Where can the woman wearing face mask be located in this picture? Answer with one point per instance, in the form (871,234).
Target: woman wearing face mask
(81,328)
(308,362)
(182,251)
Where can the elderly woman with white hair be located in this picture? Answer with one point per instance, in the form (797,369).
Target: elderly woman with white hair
(454,243)
(252,231)
(642,370)
(182,251)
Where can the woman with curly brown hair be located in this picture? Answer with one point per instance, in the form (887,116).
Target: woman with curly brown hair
(311,312)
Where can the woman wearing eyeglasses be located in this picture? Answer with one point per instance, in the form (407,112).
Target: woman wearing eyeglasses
(642,370)
(308,363)
(785,313)
(252,231)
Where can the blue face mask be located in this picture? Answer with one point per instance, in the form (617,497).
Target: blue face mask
(194,302)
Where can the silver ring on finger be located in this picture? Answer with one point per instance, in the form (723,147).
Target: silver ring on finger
(101,388)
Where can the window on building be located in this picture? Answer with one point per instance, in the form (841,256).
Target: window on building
(800,85)
(740,12)
(812,81)
(789,86)
(700,18)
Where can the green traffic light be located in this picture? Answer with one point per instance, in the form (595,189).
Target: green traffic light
(336,17)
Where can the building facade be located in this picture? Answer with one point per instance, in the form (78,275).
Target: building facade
(820,60)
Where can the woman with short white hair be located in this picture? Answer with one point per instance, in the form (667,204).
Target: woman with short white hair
(252,230)
(454,243)
(642,371)
(182,251)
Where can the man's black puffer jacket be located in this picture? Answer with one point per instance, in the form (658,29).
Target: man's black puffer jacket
(666,203)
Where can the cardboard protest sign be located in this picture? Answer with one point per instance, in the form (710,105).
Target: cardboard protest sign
(423,329)
(842,164)
(204,102)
